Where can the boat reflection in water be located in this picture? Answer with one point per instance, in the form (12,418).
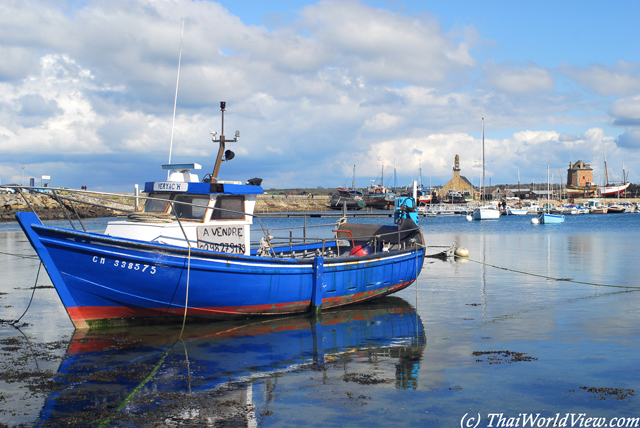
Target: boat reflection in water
(145,371)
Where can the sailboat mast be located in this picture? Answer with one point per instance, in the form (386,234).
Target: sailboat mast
(548,202)
(395,185)
(483,158)
(353,177)
(606,173)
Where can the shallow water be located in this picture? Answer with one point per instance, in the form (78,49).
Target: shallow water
(568,347)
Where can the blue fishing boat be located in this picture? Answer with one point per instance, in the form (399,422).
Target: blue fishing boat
(190,254)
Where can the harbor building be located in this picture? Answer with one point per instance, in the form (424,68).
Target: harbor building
(580,180)
(458,185)
(579,174)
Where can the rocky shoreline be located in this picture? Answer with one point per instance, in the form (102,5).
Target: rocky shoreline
(48,208)
(291,203)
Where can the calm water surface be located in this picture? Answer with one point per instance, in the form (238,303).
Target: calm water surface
(502,333)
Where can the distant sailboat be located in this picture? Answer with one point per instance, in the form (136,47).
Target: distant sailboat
(547,218)
(611,190)
(485,212)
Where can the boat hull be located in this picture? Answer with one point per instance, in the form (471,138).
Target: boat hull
(105,280)
(339,202)
(612,191)
(486,214)
(551,219)
(517,211)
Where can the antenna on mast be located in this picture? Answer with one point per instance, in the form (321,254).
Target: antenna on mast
(175,100)
(228,154)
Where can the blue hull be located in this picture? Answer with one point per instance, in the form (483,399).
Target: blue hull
(102,279)
(551,219)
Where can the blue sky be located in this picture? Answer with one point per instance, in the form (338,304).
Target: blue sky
(87,89)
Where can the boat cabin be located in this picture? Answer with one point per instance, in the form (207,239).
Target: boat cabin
(214,216)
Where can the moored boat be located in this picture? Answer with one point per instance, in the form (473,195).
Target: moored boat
(485,212)
(517,210)
(338,202)
(190,254)
(597,207)
(378,196)
(611,190)
(615,209)
(548,217)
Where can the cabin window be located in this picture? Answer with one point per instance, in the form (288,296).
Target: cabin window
(158,204)
(191,212)
(230,208)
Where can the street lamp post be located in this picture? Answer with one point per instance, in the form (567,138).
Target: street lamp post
(22,180)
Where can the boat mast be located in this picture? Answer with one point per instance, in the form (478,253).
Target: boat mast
(175,100)
(395,184)
(221,151)
(483,159)
(353,177)
(548,202)
(606,173)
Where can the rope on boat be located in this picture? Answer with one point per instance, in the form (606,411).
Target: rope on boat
(150,217)
(186,298)
(551,277)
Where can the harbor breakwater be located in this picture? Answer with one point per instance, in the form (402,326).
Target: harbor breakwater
(48,208)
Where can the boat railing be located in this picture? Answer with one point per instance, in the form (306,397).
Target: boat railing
(378,242)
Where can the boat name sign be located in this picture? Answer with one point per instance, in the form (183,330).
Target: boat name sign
(226,239)
(170,186)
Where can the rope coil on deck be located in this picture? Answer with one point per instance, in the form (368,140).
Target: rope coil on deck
(150,217)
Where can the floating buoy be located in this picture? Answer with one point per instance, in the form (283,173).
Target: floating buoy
(535,220)
(469,218)
(462,252)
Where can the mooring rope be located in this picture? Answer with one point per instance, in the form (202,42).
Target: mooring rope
(186,298)
(551,277)
(35,285)
(22,256)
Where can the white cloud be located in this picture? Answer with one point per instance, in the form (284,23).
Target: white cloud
(382,45)
(518,80)
(620,79)
(346,83)
(382,121)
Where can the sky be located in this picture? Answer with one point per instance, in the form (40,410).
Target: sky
(87,90)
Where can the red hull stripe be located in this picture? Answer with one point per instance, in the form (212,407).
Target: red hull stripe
(81,314)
